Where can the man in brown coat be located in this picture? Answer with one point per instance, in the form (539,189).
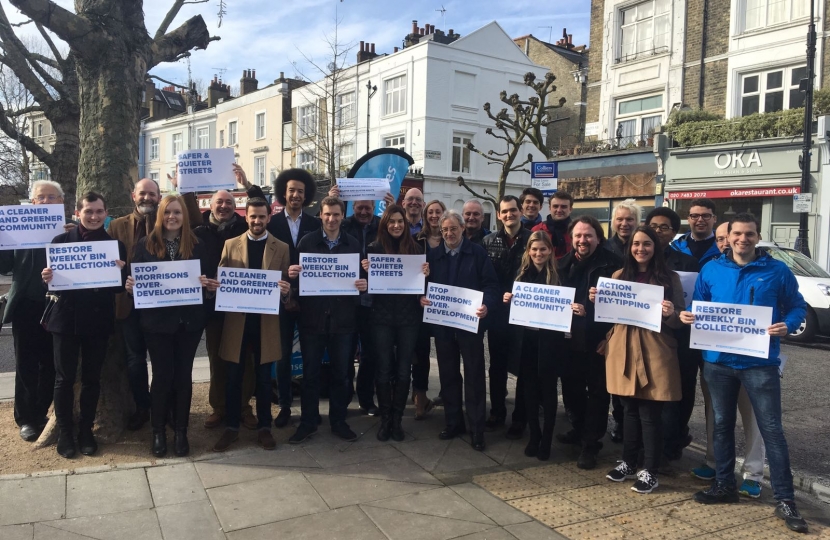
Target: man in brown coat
(245,333)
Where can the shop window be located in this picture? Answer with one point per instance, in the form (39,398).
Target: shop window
(772,91)
(644,29)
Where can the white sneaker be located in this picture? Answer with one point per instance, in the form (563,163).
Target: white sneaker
(645,483)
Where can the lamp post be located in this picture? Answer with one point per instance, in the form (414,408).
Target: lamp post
(806,86)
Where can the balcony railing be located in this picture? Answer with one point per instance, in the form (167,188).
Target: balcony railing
(596,146)
(641,54)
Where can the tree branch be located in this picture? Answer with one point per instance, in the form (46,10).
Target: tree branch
(24,110)
(17,59)
(68,26)
(51,44)
(26,142)
(166,81)
(44,60)
(168,19)
(486,197)
(193,33)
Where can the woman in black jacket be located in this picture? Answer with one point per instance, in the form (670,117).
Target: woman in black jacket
(82,321)
(172,333)
(395,321)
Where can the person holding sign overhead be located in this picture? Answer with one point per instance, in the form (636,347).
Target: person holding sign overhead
(82,321)
(641,365)
(747,276)
(172,333)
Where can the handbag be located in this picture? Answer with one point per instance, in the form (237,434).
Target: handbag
(51,300)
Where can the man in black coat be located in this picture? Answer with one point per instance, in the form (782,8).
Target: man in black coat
(474,229)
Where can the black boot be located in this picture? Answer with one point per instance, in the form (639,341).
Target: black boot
(398,433)
(532,448)
(545,441)
(180,445)
(384,391)
(160,443)
(86,441)
(66,444)
(398,408)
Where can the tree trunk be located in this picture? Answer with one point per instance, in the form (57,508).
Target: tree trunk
(63,163)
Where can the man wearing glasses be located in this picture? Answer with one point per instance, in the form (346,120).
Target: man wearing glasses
(699,242)
(413,203)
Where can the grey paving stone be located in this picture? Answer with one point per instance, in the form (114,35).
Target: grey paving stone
(460,456)
(17,532)
(175,484)
(349,523)
(442,502)
(489,534)
(190,521)
(340,491)
(283,496)
(224,473)
(32,499)
(107,493)
(284,456)
(136,525)
(426,452)
(533,530)
(44,532)
(493,507)
(398,525)
(400,469)
(332,456)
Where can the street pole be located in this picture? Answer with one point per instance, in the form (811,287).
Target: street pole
(802,243)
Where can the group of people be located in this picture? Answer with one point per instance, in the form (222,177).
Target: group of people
(651,375)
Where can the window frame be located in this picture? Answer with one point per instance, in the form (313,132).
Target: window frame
(306,121)
(390,92)
(763,21)
(202,131)
(260,127)
(397,140)
(787,88)
(173,144)
(349,108)
(155,146)
(621,27)
(259,175)
(640,134)
(463,152)
(311,158)
(233,132)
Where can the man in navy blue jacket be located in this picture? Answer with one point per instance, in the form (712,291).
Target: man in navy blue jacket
(746,275)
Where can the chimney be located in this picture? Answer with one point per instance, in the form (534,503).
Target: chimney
(248,82)
(373,48)
(217,91)
(366,52)
(415,27)
(395,50)
(421,31)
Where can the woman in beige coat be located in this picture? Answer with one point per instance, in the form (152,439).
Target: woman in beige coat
(641,365)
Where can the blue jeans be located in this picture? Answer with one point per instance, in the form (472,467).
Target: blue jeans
(763,386)
(136,353)
(339,347)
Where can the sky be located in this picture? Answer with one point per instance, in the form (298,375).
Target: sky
(273,36)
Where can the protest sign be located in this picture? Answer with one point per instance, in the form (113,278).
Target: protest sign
(542,306)
(363,189)
(30,226)
(628,302)
(248,291)
(731,328)
(688,280)
(166,283)
(205,170)
(396,274)
(324,275)
(83,265)
(453,306)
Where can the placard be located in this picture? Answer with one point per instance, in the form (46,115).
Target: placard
(166,283)
(205,170)
(363,189)
(731,328)
(688,280)
(454,307)
(29,226)
(802,202)
(544,177)
(244,290)
(324,275)
(396,274)
(628,302)
(542,306)
(83,265)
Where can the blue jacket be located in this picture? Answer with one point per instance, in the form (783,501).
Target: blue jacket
(682,245)
(763,282)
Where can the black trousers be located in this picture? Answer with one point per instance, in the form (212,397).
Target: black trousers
(34,364)
(451,351)
(676,414)
(584,376)
(539,369)
(643,429)
(368,358)
(171,356)
(500,341)
(93,351)
(421,362)
(251,344)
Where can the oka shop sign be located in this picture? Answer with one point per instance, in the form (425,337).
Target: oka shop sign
(737,162)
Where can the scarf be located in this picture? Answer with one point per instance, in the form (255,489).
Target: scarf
(143,224)
(222,226)
(92,236)
(557,230)
(527,224)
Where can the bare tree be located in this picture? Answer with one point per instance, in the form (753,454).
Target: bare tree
(14,161)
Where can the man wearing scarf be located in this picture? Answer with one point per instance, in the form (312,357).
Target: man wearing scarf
(530,203)
(557,223)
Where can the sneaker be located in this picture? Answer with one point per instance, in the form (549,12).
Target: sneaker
(704,472)
(750,488)
(621,472)
(646,482)
(303,432)
(717,493)
(787,511)
(344,432)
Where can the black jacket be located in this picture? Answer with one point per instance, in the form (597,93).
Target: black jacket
(478,238)
(615,245)
(212,238)
(364,235)
(506,259)
(166,320)
(680,262)
(395,309)
(26,266)
(278,226)
(86,311)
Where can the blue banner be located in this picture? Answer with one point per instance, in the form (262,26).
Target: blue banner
(389,163)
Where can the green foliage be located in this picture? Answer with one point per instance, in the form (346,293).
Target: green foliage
(678,117)
(821,102)
(748,128)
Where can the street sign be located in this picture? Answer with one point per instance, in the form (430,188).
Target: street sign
(544,176)
(802,202)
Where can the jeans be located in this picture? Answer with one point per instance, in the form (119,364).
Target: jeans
(34,377)
(171,356)
(421,362)
(394,348)
(500,340)
(236,372)
(219,372)
(451,350)
(136,352)
(339,347)
(288,321)
(643,428)
(763,386)
(93,350)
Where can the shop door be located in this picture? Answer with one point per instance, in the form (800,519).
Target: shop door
(783,226)
(784,234)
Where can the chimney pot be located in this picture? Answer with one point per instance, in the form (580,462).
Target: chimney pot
(373,48)
(361,46)
(421,31)
(253,74)
(570,38)
(451,32)
(395,50)
(414,26)
(282,75)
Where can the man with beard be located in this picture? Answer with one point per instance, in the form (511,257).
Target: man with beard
(556,225)
(473,214)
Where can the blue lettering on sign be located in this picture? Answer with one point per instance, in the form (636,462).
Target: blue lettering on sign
(544,169)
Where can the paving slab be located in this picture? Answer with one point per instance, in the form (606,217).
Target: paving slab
(110,492)
(533,530)
(135,525)
(44,532)
(347,523)
(399,525)
(224,472)
(284,456)
(32,499)
(459,456)
(17,532)
(442,502)
(331,455)
(495,509)
(283,496)
(489,534)
(175,484)
(190,521)
(425,452)
(340,491)
(399,469)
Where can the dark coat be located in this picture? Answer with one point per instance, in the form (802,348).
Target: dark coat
(26,266)
(364,235)
(680,262)
(506,259)
(278,226)
(559,235)
(395,309)
(213,238)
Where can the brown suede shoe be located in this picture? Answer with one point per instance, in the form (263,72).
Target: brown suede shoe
(228,437)
(249,420)
(213,421)
(266,440)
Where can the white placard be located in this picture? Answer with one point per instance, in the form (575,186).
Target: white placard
(628,302)
(731,328)
(453,306)
(324,275)
(30,226)
(83,265)
(363,189)
(244,290)
(205,170)
(802,202)
(542,306)
(396,274)
(166,283)
(688,280)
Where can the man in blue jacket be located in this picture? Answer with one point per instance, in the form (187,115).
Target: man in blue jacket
(699,242)
(746,275)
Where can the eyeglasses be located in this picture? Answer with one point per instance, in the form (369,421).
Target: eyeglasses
(47,198)
(414,199)
(661,228)
(705,217)
(450,230)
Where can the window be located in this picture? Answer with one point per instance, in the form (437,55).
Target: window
(260,126)
(232,133)
(287,136)
(305,160)
(345,156)
(772,90)
(202,138)
(345,109)
(644,29)
(395,141)
(40,129)
(259,170)
(176,144)
(394,95)
(221,138)
(154,149)
(154,176)
(460,153)
(637,119)
(762,13)
(306,119)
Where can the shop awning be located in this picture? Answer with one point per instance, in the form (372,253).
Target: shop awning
(608,165)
